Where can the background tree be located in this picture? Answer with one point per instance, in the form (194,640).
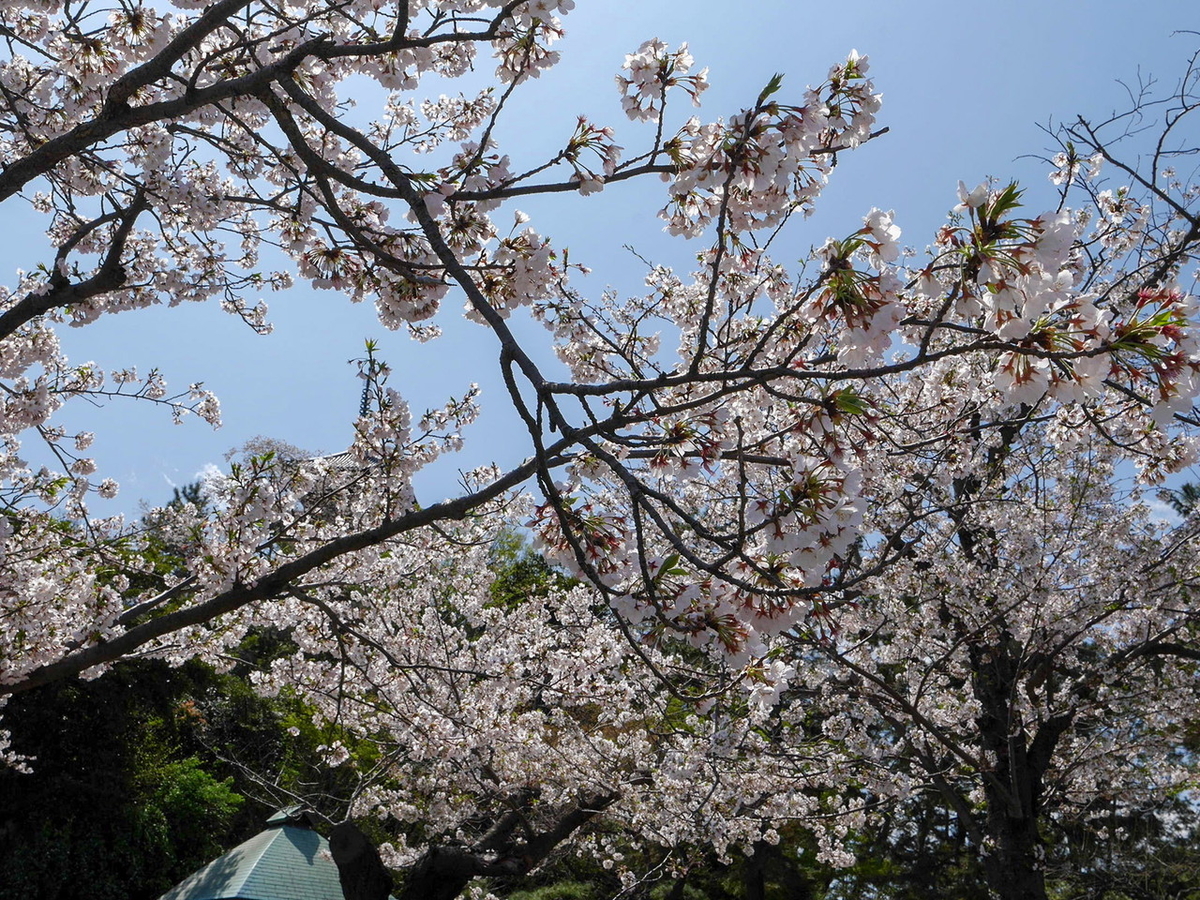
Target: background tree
(122,800)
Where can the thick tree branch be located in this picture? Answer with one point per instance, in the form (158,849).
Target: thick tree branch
(271,585)
(443,872)
(60,293)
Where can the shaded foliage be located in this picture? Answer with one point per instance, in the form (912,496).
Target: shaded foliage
(121,801)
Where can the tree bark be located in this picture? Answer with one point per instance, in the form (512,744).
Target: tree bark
(443,872)
(360,870)
(1013,787)
(1013,867)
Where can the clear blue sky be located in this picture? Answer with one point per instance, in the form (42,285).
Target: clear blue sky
(965,86)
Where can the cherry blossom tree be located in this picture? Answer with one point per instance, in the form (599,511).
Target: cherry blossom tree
(740,459)
(1030,664)
(1028,657)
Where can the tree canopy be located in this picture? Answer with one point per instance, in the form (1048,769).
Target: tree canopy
(826,537)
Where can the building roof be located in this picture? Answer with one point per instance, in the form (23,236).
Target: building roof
(288,861)
(341,462)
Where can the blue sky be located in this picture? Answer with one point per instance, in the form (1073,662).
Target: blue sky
(965,88)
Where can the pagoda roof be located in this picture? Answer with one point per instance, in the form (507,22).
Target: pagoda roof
(288,861)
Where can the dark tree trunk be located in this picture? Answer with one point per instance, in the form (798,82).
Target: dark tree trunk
(443,872)
(360,870)
(1013,786)
(1013,867)
(754,876)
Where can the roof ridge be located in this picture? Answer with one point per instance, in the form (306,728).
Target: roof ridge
(286,861)
(250,870)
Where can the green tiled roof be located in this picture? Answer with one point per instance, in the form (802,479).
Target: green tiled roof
(284,862)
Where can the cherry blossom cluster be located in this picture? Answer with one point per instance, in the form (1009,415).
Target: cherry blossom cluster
(1026,334)
(600,142)
(459,683)
(653,70)
(1018,281)
(767,161)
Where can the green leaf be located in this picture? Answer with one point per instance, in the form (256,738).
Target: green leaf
(1006,201)
(773,85)
(848,401)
